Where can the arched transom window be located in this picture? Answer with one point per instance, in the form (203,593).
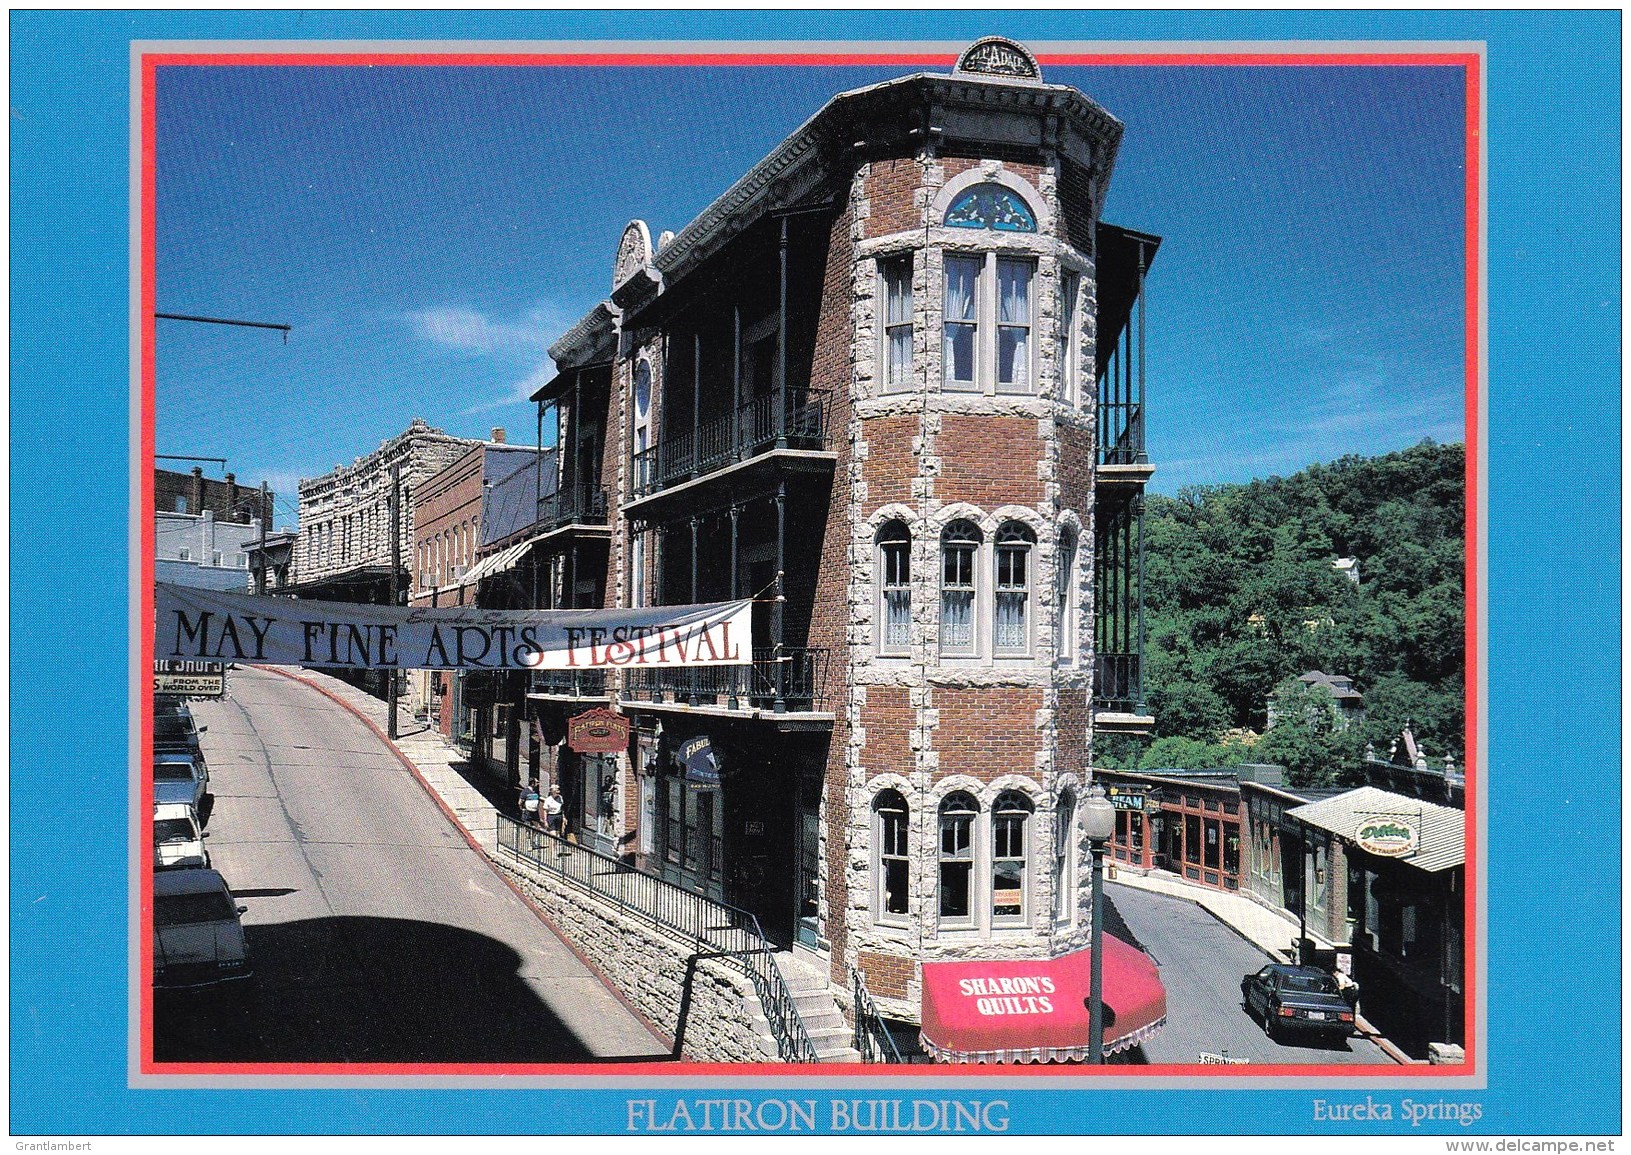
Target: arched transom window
(991,206)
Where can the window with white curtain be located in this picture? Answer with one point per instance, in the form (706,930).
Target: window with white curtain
(1070,340)
(959,551)
(896,273)
(1014,325)
(1012,619)
(894,589)
(962,321)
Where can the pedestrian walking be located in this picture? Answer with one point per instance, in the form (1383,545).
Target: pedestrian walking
(553,805)
(529,803)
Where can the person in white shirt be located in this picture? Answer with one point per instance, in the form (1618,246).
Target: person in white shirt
(552,806)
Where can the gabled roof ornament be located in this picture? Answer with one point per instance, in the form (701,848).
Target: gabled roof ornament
(998,56)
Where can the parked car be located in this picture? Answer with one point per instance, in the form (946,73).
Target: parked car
(197,938)
(180,779)
(176,732)
(178,839)
(1297,999)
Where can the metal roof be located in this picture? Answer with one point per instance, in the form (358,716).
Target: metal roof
(1441,831)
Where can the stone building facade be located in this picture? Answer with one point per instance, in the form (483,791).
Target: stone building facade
(194,494)
(889,386)
(344,548)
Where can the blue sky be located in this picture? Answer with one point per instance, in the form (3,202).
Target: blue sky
(429,232)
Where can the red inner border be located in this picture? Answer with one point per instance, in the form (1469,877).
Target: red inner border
(1471,65)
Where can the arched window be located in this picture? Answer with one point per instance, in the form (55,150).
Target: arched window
(958,812)
(991,206)
(894,589)
(1010,859)
(1064,858)
(1013,607)
(891,857)
(959,548)
(1065,580)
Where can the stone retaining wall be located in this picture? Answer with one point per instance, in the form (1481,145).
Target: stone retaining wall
(725,1022)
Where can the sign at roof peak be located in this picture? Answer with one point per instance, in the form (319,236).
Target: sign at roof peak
(999,56)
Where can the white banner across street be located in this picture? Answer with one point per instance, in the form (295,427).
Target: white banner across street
(198,623)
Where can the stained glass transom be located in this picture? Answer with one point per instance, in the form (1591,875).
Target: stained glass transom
(991,206)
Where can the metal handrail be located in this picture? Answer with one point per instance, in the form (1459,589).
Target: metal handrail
(872,1038)
(1117,681)
(715,928)
(802,684)
(755,427)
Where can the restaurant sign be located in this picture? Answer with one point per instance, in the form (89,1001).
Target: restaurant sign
(598,731)
(1127,797)
(1387,835)
(194,679)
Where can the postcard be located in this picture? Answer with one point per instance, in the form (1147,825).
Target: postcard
(885,575)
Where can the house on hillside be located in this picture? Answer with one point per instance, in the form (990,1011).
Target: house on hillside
(1347,703)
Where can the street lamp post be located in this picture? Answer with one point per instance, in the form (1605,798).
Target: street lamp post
(1099,820)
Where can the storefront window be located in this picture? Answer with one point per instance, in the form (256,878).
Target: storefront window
(957,814)
(1192,838)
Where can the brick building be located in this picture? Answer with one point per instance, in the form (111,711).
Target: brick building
(453,528)
(889,385)
(226,500)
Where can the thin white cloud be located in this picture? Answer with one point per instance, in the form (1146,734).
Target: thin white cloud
(468,330)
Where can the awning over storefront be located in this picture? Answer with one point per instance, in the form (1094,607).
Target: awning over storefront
(1432,837)
(1035,1010)
(500,562)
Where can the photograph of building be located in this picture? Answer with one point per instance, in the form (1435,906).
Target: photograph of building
(888,384)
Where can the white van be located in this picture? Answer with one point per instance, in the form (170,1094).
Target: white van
(177,839)
(197,938)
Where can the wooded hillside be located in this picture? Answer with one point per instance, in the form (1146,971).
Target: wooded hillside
(1242,593)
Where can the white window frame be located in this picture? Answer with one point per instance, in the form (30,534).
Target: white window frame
(987,322)
(1070,337)
(884,854)
(888,582)
(895,269)
(1065,841)
(975,824)
(1067,577)
(1026,590)
(974,550)
(1001,818)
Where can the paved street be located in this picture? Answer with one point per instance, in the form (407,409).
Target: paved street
(377,933)
(1202,962)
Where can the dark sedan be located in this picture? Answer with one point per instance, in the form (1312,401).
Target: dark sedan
(1297,999)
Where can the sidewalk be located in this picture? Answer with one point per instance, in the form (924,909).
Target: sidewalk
(1272,932)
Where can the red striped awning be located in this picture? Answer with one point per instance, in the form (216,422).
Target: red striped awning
(1035,1010)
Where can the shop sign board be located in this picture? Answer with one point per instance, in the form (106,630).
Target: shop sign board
(701,766)
(1127,797)
(1387,835)
(192,678)
(598,731)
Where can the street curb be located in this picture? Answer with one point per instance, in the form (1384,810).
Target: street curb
(481,852)
(1361,1025)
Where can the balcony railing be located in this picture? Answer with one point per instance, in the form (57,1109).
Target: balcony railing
(792,680)
(755,427)
(572,683)
(714,929)
(871,1037)
(1118,683)
(575,505)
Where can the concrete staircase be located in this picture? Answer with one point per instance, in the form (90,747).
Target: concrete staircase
(823,1022)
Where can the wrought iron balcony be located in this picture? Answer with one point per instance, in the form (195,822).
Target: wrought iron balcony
(575,505)
(797,681)
(755,427)
(1118,683)
(1121,433)
(569,683)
